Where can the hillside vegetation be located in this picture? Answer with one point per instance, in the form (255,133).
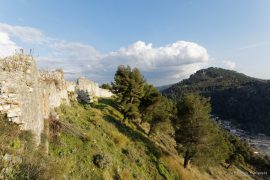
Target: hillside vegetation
(125,153)
(243,100)
(137,134)
(93,143)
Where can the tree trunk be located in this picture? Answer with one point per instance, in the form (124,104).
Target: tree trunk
(141,121)
(186,161)
(131,101)
(229,166)
(150,130)
(124,117)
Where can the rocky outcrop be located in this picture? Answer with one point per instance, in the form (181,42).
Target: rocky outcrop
(29,96)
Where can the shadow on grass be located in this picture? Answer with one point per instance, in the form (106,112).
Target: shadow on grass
(99,106)
(103,103)
(135,136)
(108,101)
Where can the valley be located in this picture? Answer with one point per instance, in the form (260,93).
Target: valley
(260,143)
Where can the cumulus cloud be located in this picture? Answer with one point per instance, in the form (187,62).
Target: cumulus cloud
(24,33)
(229,65)
(73,58)
(147,57)
(7,46)
(160,65)
(11,36)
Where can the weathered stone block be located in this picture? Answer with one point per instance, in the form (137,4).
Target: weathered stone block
(14,112)
(12,96)
(15,120)
(6,107)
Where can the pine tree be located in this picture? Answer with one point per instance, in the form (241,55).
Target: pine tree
(129,88)
(149,102)
(154,107)
(136,88)
(235,159)
(121,85)
(200,137)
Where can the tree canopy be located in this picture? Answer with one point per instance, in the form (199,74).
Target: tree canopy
(200,137)
(128,85)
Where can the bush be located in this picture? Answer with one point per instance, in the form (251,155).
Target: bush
(8,135)
(20,159)
(101,161)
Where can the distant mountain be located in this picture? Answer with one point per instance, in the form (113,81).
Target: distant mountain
(241,99)
(163,88)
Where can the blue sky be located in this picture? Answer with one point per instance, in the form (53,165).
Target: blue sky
(167,39)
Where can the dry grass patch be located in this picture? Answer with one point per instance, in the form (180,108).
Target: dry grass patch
(118,138)
(173,163)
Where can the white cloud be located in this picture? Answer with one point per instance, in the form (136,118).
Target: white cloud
(24,33)
(7,46)
(147,57)
(229,65)
(73,58)
(160,65)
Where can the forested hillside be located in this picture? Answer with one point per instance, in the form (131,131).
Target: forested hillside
(234,96)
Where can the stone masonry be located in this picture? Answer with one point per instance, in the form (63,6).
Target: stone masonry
(87,91)
(28,96)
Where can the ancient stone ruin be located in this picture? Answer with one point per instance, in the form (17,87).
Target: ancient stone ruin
(88,91)
(28,96)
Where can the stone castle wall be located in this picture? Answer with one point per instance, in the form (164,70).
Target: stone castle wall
(28,96)
(20,95)
(54,90)
(88,90)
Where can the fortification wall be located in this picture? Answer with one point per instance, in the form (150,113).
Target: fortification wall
(28,96)
(54,90)
(20,95)
(88,91)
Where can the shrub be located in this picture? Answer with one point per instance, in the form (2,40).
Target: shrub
(101,161)
(20,159)
(8,135)
(38,166)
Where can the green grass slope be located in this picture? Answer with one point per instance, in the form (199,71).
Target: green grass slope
(86,132)
(96,144)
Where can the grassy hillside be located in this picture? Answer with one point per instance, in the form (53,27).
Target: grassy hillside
(234,96)
(92,142)
(98,145)
(88,132)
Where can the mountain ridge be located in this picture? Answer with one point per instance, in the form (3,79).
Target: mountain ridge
(236,97)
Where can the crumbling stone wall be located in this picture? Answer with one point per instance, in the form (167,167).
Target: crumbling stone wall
(28,96)
(71,86)
(88,91)
(54,90)
(20,93)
